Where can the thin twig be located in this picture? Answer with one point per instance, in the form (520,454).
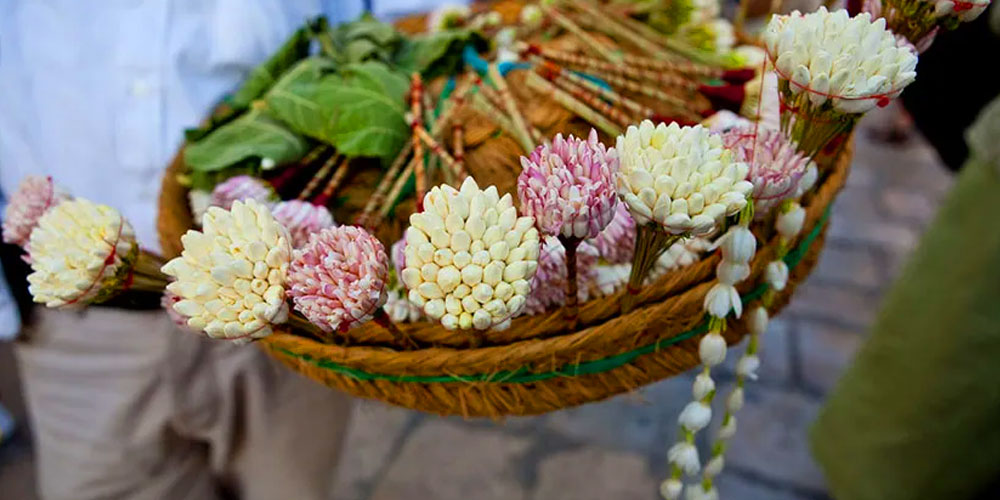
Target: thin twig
(592,44)
(321,174)
(572,104)
(511,105)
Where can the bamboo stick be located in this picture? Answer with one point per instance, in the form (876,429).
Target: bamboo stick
(589,42)
(589,64)
(482,106)
(675,103)
(605,23)
(536,135)
(397,188)
(437,149)
(458,146)
(321,174)
(542,85)
(611,95)
(511,105)
(335,181)
(416,89)
(590,99)
(383,186)
(389,181)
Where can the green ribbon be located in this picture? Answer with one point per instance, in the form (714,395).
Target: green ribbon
(524,375)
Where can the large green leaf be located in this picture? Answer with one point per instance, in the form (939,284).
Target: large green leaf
(358,41)
(438,53)
(295,98)
(360,110)
(253,135)
(368,27)
(379,77)
(266,74)
(367,110)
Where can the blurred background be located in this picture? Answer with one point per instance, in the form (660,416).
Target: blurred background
(617,449)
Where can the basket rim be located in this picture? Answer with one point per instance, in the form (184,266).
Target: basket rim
(525,375)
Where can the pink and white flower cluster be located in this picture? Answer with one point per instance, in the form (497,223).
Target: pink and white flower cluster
(569,187)
(776,166)
(242,188)
(302,219)
(338,279)
(26,206)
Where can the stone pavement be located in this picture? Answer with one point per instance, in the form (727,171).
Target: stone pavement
(617,449)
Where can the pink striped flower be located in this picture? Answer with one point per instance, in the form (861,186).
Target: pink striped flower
(398,255)
(569,187)
(776,165)
(548,288)
(338,279)
(32,199)
(301,219)
(616,243)
(240,188)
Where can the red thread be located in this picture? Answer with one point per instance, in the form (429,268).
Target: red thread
(107,262)
(888,95)
(961,6)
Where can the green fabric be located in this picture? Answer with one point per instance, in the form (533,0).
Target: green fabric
(917,415)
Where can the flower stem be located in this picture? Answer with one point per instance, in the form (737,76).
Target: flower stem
(650,242)
(382,319)
(146,275)
(302,326)
(572,287)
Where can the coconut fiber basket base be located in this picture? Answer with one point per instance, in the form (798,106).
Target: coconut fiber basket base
(542,374)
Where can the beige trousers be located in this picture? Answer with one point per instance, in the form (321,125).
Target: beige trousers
(124,405)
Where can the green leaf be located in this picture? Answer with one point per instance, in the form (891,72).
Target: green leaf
(368,110)
(251,136)
(379,77)
(368,27)
(439,53)
(360,111)
(362,40)
(266,74)
(295,98)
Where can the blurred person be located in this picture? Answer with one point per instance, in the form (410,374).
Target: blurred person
(915,416)
(10,325)
(122,404)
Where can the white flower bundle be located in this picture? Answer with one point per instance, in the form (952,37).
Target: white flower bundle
(469,258)
(677,182)
(82,252)
(832,68)
(231,275)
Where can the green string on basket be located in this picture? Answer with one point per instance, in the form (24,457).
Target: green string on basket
(524,375)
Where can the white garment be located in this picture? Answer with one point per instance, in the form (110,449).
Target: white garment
(97,94)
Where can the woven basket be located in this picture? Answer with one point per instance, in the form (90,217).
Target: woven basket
(535,366)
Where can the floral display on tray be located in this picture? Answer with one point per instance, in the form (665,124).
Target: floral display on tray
(582,185)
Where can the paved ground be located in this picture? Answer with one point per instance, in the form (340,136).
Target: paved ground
(616,449)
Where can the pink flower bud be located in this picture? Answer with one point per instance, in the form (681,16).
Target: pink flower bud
(302,219)
(568,187)
(32,199)
(337,280)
